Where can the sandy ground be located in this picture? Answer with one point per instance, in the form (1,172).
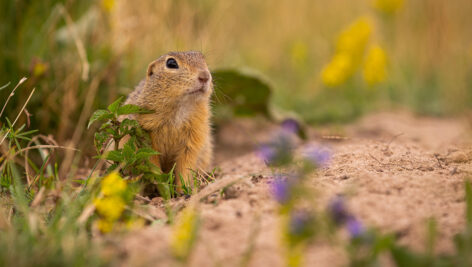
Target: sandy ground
(396,169)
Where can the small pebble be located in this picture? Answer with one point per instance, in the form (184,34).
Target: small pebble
(231,192)
(458,157)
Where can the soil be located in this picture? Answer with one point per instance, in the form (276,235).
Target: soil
(396,170)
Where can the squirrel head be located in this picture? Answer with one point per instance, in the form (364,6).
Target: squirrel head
(178,78)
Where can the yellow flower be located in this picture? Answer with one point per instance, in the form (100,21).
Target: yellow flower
(134,224)
(353,40)
(105,226)
(375,66)
(108,5)
(113,184)
(388,7)
(338,70)
(350,48)
(110,207)
(110,204)
(184,233)
(39,69)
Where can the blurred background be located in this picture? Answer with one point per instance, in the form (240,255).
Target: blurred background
(327,61)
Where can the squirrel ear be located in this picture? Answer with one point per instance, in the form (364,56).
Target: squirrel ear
(150,70)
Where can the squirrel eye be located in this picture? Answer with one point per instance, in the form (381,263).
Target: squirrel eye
(172,63)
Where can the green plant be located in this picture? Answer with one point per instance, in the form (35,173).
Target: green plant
(39,233)
(133,158)
(15,142)
(43,221)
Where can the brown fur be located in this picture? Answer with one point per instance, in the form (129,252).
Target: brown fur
(180,123)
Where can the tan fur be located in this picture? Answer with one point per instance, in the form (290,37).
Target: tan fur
(180,123)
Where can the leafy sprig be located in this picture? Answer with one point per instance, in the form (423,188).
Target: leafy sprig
(131,152)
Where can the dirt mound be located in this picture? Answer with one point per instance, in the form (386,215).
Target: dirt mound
(397,170)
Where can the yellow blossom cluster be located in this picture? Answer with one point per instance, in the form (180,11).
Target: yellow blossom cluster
(111,204)
(184,233)
(350,53)
(388,7)
(338,70)
(375,66)
(353,40)
(350,47)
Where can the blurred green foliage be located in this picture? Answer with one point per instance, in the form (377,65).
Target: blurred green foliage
(240,93)
(38,232)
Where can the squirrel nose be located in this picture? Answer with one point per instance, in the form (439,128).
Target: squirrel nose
(204,76)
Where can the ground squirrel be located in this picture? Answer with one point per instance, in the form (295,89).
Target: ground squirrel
(177,90)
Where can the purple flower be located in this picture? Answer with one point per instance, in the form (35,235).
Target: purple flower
(277,152)
(300,222)
(281,190)
(267,153)
(318,155)
(290,125)
(341,216)
(354,227)
(338,211)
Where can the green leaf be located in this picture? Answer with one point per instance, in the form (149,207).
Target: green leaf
(28,132)
(406,258)
(99,115)
(104,125)
(129,150)
(240,93)
(468,201)
(431,236)
(144,153)
(9,124)
(100,139)
(164,190)
(114,155)
(128,153)
(131,143)
(142,168)
(21,128)
(383,243)
(128,125)
(113,107)
(17,143)
(79,181)
(131,109)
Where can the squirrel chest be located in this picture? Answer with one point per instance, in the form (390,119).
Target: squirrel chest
(177,91)
(185,132)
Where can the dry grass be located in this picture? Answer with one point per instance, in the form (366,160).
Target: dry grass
(291,41)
